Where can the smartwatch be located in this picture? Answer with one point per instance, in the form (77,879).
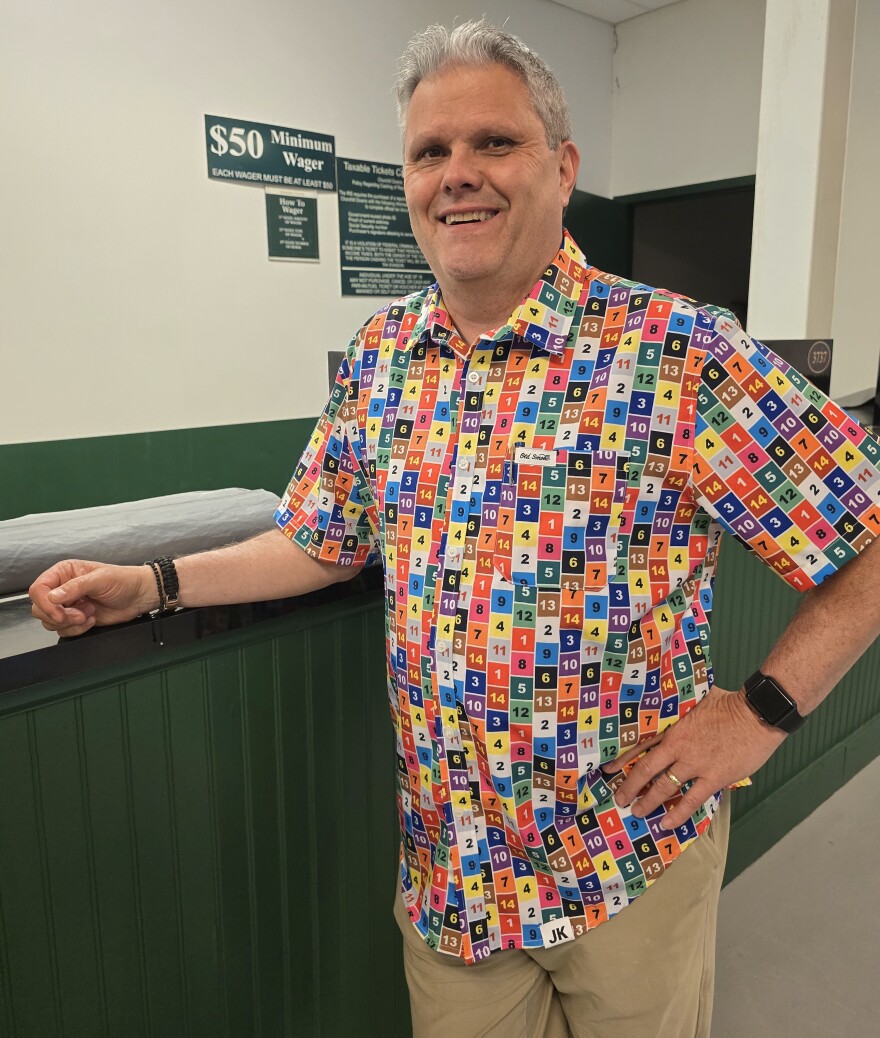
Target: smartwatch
(772,703)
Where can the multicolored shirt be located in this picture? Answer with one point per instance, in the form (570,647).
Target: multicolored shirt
(547,506)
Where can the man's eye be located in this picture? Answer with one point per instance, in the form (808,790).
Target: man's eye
(496,143)
(431,152)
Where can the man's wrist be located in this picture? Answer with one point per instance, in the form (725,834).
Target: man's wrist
(757,723)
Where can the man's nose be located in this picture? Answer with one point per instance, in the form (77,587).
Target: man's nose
(462,171)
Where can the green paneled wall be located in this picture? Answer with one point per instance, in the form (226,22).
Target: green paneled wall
(752,607)
(179,854)
(102,470)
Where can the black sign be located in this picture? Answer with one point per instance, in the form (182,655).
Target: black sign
(292,226)
(378,253)
(258,153)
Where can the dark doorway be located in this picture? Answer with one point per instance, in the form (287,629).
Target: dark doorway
(695,240)
(602,227)
(699,245)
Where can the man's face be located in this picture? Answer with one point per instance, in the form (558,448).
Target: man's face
(484,190)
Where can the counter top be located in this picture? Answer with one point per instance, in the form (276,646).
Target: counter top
(30,655)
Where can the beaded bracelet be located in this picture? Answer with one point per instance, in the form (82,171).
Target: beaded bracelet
(162,600)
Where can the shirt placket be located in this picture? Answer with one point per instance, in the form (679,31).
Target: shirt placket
(451,649)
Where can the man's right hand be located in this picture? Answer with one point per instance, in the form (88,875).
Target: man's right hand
(74,596)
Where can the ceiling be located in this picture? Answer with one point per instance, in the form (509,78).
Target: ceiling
(614,11)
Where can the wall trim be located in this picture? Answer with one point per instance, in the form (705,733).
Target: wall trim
(56,475)
(710,187)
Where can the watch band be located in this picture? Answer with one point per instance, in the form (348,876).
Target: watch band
(772,703)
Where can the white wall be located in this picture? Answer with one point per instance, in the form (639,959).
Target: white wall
(135,294)
(854,325)
(691,68)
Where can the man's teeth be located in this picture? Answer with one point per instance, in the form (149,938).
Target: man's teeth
(485,214)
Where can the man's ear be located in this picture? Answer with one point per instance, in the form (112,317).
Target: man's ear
(569,162)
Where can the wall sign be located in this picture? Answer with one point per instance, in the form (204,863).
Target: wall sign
(259,153)
(292,227)
(378,254)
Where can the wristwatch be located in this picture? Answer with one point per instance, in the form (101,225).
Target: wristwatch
(772,703)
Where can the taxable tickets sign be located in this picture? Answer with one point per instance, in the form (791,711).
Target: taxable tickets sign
(259,153)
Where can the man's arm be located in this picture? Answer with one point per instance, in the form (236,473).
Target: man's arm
(722,740)
(74,596)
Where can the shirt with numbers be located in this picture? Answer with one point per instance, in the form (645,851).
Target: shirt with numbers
(547,505)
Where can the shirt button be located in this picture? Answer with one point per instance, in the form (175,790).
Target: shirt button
(474,377)
(464,464)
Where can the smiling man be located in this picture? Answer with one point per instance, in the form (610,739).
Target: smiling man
(485,189)
(543,457)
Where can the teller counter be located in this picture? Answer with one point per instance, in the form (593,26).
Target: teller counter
(180,856)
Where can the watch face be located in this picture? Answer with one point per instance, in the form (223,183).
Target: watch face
(770,701)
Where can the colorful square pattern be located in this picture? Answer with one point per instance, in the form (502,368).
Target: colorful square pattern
(547,506)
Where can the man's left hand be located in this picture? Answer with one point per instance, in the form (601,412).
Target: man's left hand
(718,742)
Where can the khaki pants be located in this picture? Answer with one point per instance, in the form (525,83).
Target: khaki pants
(647,973)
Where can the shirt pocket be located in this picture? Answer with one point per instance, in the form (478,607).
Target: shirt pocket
(559,517)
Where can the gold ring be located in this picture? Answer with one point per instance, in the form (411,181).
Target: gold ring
(676,782)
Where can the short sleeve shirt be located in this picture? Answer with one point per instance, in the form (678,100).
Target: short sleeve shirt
(547,506)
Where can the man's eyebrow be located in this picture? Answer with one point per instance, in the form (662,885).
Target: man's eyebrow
(419,141)
(480,133)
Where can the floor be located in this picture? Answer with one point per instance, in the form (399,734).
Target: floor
(799,931)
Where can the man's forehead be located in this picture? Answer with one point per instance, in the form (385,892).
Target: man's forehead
(456,78)
(456,94)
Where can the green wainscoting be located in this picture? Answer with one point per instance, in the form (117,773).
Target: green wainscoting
(180,856)
(843,735)
(102,470)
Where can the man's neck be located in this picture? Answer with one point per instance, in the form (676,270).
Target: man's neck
(476,309)
(473,321)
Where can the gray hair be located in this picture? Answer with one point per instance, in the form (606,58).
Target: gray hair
(476,43)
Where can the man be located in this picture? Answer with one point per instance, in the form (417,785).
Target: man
(543,457)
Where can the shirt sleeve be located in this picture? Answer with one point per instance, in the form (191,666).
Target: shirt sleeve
(778,464)
(328,508)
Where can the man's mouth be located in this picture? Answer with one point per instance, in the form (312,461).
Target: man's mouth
(477,216)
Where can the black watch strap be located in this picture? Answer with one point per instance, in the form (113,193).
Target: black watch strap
(772,703)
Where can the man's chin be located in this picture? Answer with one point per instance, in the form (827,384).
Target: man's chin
(467,269)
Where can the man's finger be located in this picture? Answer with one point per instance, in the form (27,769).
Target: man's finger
(43,592)
(642,774)
(70,630)
(691,801)
(42,609)
(71,591)
(56,617)
(631,754)
(662,790)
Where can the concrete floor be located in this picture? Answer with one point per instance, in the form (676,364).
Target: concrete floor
(799,931)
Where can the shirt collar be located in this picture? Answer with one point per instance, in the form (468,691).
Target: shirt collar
(544,318)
